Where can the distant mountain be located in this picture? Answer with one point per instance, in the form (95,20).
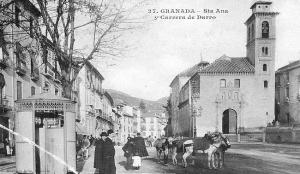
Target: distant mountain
(121,97)
(163,100)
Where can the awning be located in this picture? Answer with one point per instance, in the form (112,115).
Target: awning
(80,129)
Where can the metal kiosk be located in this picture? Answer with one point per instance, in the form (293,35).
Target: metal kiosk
(49,122)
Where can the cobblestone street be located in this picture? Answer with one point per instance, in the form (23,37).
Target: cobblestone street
(241,158)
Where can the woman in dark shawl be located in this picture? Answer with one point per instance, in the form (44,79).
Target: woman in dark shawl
(139,146)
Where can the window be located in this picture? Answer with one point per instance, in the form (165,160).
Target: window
(222,83)
(265,29)
(265,84)
(56,91)
(265,51)
(287,92)
(32,90)
(237,83)
(46,87)
(17,15)
(265,67)
(19,90)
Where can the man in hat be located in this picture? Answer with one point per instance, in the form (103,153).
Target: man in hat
(109,154)
(98,158)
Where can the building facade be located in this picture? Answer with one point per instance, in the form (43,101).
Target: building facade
(27,68)
(234,94)
(287,96)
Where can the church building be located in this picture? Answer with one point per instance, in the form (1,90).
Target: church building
(233,94)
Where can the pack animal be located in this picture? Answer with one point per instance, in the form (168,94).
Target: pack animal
(209,144)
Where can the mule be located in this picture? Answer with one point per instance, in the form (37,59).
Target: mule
(220,153)
(208,144)
(162,146)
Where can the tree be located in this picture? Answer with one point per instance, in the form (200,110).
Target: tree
(62,21)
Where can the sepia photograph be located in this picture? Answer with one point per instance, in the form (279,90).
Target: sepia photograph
(149,87)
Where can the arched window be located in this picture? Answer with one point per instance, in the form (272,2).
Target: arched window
(265,84)
(222,83)
(265,67)
(265,29)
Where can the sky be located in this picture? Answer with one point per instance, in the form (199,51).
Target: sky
(161,49)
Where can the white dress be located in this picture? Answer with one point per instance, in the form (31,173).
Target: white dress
(136,161)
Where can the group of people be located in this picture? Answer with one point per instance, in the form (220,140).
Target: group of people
(134,149)
(104,159)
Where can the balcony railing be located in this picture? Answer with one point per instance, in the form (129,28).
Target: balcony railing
(21,68)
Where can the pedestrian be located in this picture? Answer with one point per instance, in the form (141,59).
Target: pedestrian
(98,158)
(128,152)
(109,154)
(137,161)
(139,146)
(149,141)
(7,147)
(85,146)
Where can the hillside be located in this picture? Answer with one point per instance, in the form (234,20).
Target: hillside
(120,97)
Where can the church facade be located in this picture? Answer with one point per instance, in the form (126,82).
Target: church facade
(234,94)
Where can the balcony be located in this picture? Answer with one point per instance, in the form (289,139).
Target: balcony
(35,74)
(21,68)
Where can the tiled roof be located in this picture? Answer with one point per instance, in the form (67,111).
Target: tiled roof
(291,65)
(227,64)
(260,2)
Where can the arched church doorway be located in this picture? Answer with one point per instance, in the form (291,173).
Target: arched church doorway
(229,122)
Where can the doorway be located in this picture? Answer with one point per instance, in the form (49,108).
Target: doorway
(229,122)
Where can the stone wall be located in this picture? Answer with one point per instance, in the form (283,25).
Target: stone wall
(280,134)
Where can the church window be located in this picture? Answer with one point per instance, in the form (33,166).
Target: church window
(237,83)
(265,29)
(265,51)
(265,67)
(222,83)
(265,84)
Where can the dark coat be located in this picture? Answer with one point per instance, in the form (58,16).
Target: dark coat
(140,147)
(128,149)
(109,157)
(98,158)
(108,148)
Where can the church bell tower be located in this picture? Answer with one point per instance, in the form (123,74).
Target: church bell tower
(261,38)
